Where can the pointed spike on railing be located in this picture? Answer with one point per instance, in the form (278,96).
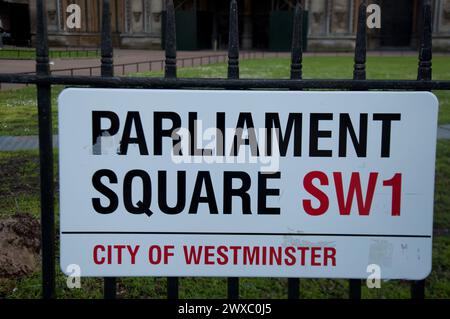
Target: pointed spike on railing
(42,61)
(107,68)
(233,42)
(297,43)
(425,54)
(170,70)
(359,68)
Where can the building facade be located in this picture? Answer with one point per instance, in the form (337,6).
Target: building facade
(203,24)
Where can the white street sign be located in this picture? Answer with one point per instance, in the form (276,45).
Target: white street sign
(247,183)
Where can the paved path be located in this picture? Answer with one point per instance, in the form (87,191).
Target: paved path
(24,143)
(120,57)
(444,132)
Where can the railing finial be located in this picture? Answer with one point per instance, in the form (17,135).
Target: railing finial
(107,68)
(170,41)
(233,42)
(297,43)
(359,68)
(425,53)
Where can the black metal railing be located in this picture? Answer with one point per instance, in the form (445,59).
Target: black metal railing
(44,80)
(158,64)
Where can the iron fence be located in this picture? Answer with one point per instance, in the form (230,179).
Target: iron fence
(158,64)
(43,79)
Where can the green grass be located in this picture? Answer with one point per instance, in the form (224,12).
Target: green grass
(18,111)
(29,54)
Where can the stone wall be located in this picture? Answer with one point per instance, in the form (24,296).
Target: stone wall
(137,23)
(441,27)
(134,23)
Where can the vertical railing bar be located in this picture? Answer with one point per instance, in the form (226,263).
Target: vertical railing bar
(424,73)
(45,155)
(107,70)
(418,289)
(359,68)
(170,42)
(233,73)
(359,73)
(296,73)
(170,71)
(106,41)
(296,50)
(233,43)
(354,288)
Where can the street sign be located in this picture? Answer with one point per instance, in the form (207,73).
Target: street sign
(247,183)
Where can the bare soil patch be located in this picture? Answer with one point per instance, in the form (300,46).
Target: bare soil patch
(19,245)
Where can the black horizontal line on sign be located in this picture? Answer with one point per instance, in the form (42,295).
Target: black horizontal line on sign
(235,234)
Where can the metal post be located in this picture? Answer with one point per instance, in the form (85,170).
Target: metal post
(296,73)
(359,68)
(359,73)
(106,41)
(107,70)
(170,71)
(171,42)
(45,155)
(233,43)
(296,51)
(425,54)
(418,289)
(424,73)
(233,73)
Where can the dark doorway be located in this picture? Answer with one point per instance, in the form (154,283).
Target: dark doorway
(16,23)
(396,23)
(259,17)
(261,23)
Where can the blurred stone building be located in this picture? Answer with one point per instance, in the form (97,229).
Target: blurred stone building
(203,24)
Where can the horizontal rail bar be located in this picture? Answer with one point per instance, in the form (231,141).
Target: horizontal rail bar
(185,83)
(192,59)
